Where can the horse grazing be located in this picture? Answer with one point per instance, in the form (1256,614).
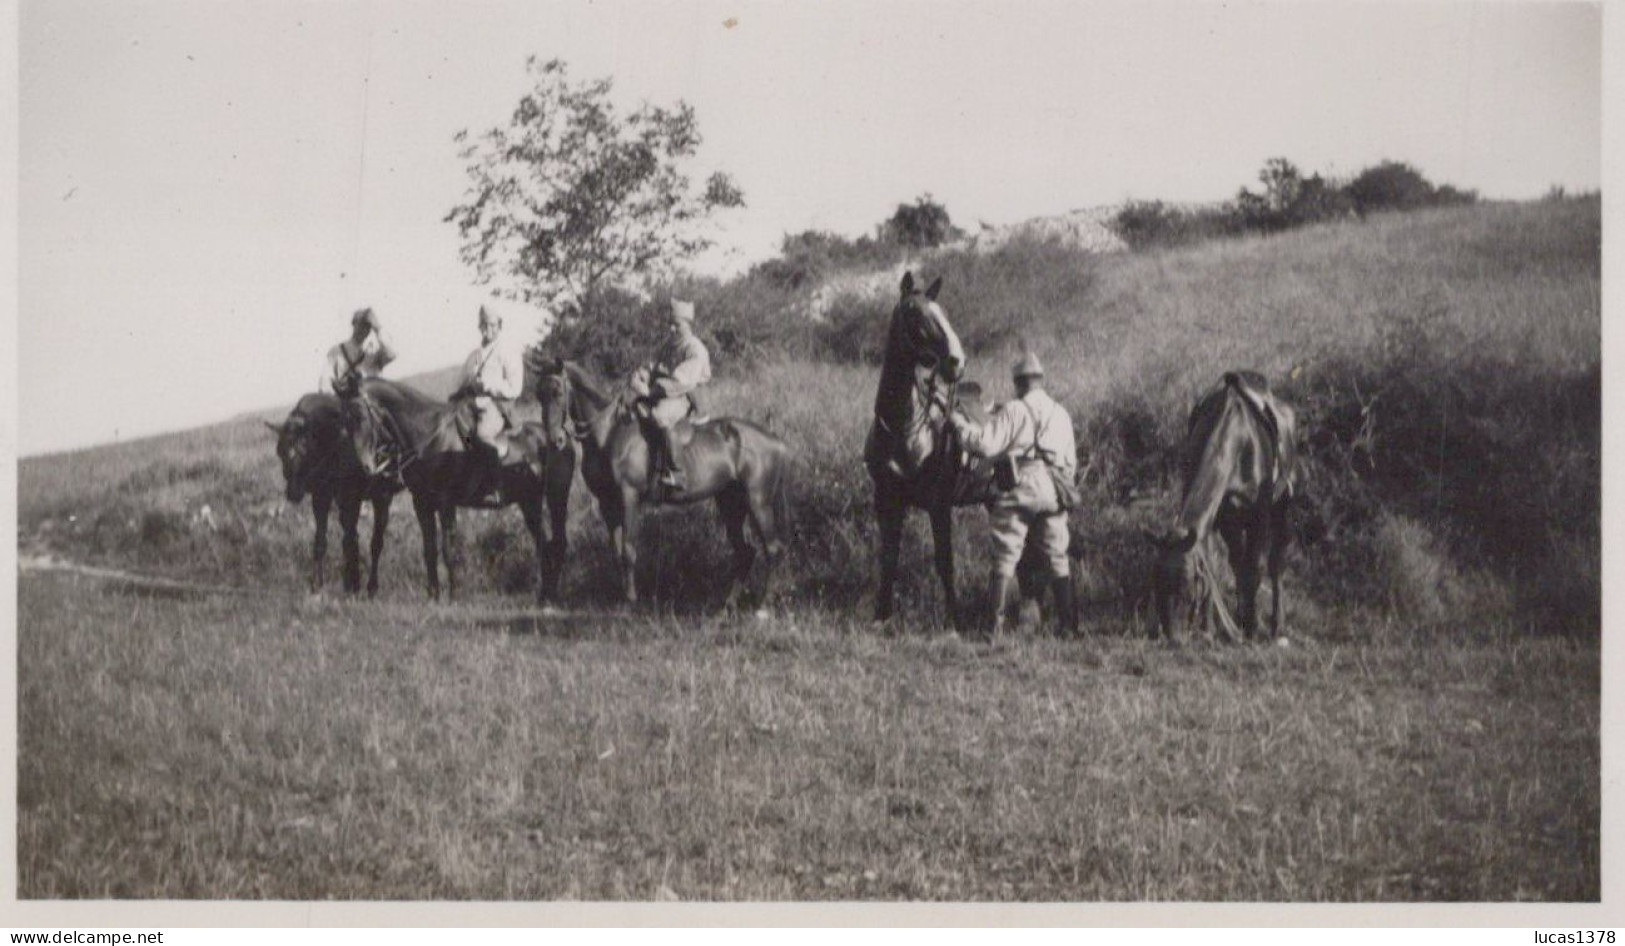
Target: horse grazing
(912,454)
(315,459)
(1240,466)
(742,466)
(393,427)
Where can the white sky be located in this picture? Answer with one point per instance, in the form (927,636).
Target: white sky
(207,189)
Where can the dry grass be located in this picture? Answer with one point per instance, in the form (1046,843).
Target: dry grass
(305,749)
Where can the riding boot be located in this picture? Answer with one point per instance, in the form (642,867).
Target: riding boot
(490,473)
(1003,585)
(1066,606)
(670,477)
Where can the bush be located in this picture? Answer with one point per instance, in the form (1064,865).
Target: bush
(1394,185)
(1151,224)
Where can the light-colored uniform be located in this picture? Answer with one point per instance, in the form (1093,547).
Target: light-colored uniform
(494,371)
(681,365)
(367,361)
(1036,431)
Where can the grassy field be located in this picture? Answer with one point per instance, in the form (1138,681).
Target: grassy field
(302,748)
(1431,733)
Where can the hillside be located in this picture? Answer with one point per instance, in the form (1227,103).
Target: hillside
(1446,364)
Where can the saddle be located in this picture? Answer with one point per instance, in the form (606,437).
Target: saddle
(682,432)
(463,421)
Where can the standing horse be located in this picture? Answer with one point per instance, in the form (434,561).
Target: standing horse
(742,466)
(315,459)
(392,425)
(1240,464)
(913,456)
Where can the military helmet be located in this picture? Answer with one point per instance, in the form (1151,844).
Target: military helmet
(1028,366)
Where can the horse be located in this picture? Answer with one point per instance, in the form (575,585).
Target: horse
(739,464)
(393,427)
(1241,473)
(914,458)
(310,445)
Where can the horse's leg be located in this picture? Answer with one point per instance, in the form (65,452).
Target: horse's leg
(532,509)
(889,512)
(629,545)
(558,541)
(428,525)
(942,535)
(320,504)
(380,526)
(765,520)
(1249,569)
(1279,537)
(450,550)
(734,505)
(350,528)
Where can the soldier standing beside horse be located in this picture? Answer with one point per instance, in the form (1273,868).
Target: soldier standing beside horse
(1031,437)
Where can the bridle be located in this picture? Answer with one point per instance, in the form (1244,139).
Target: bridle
(392,453)
(933,390)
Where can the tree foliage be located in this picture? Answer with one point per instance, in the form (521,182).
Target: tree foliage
(922,224)
(572,197)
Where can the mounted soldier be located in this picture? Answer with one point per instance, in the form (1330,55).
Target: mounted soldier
(493,377)
(1031,441)
(666,388)
(363,355)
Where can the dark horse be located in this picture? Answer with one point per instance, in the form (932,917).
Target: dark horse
(392,425)
(315,459)
(912,454)
(742,466)
(1240,465)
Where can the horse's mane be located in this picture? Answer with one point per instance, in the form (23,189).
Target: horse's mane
(316,406)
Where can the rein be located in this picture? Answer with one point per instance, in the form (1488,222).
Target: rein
(925,388)
(394,453)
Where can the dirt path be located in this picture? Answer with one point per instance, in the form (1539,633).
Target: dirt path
(45,562)
(35,562)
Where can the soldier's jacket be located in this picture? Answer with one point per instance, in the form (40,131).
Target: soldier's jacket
(1037,432)
(347,364)
(681,366)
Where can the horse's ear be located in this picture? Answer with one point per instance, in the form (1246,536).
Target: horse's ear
(932,290)
(908,282)
(275,428)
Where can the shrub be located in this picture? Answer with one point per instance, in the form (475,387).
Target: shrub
(1394,185)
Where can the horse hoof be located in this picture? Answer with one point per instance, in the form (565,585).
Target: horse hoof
(762,614)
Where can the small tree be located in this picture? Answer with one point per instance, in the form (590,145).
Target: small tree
(1391,185)
(924,223)
(571,197)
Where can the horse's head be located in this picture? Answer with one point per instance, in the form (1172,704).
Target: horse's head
(920,327)
(553,394)
(1184,584)
(295,447)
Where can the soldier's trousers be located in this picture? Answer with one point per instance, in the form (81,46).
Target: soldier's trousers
(1010,528)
